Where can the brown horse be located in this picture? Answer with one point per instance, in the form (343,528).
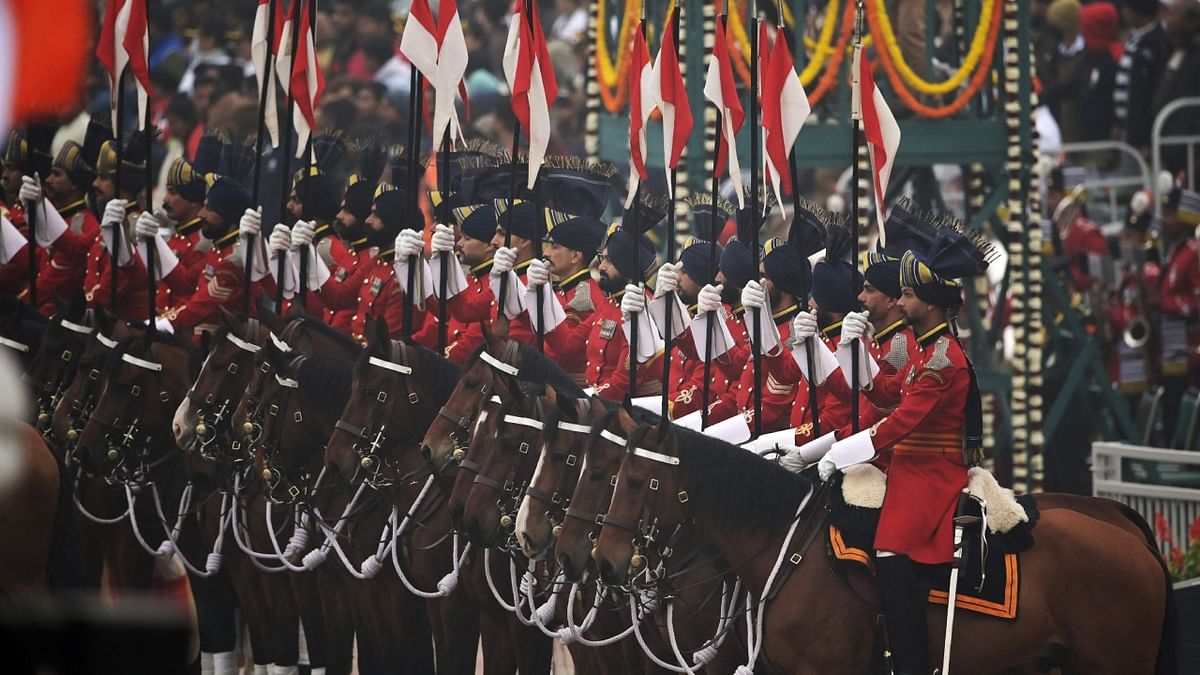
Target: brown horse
(1094,596)
(290,425)
(53,366)
(20,329)
(31,511)
(396,391)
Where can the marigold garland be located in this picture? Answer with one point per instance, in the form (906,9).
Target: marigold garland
(881,27)
(964,97)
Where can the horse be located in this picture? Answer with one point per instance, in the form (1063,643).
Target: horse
(396,390)
(53,365)
(289,426)
(1095,596)
(33,513)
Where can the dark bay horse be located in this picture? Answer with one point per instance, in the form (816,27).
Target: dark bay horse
(50,371)
(289,426)
(1094,596)
(396,391)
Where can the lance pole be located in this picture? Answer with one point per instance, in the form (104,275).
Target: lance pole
(668,308)
(443,277)
(856,130)
(286,133)
(265,90)
(755,170)
(706,388)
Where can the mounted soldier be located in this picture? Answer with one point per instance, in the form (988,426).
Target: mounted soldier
(931,418)
(24,157)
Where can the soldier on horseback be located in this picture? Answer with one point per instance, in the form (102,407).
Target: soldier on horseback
(927,416)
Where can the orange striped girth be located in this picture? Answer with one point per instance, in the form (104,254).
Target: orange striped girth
(936,443)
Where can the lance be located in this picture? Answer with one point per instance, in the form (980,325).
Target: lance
(30,230)
(151,252)
(443,277)
(512,183)
(310,151)
(264,91)
(856,131)
(668,310)
(637,259)
(706,388)
(416,108)
(113,257)
(809,356)
(755,170)
(286,133)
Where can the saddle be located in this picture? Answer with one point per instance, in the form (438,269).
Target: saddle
(997,528)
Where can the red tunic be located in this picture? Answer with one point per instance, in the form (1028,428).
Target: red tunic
(63,271)
(14,277)
(925,432)
(132,301)
(608,356)
(371,290)
(185,243)
(221,283)
(465,312)
(566,345)
(687,370)
(833,397)
(1181,309)
(779,377)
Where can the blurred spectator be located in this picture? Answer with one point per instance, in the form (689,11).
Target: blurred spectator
(345,46)
(384,66)
(209,50)
(1102,50)
(1063,87)
(367,100)
(1138,72)
(1181,78)
(571,23)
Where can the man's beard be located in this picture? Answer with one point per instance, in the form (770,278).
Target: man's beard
(731,295)
(213,231)
(349,233)
(611,285)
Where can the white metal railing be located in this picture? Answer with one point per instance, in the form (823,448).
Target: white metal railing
(1158,141)
(1123,472)
(1107,192)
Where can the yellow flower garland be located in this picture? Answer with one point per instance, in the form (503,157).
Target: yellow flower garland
(978,43)
(610,73)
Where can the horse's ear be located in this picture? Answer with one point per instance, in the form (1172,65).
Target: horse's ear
(268,316)
(499,329)
(628,424)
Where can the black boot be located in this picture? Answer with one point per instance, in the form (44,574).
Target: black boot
(903,598)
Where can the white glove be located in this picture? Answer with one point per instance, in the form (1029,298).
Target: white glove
(826,467)
(408,244)
(251,223)
(303,233)
(163,326)
(31,190)
(114,213)
(804,326)
(146,226)
(281,240)
(634,300)
(442,240)
(856,325)
(709,298)
(538,273)
(754,296)
(668,279)
(504,260)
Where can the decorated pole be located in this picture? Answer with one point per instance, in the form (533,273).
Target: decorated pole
(706,388)
(286,137)
(755,171)
(416,109)
(637,255)
(856,144)
(672,29)
(443,278)
(268,71)
(310,150)
(113,257)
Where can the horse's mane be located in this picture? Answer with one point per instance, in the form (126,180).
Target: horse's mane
(538,369)
(642,417)
(443,373)
(736,487)
(343,341)
(325,379)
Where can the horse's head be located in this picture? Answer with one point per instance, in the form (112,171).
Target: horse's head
(205,415)
(647,504)
(480,445)
(451,431)
(499,485)
(602,452)
(67,334)
(548,496)
(129,431)
(79,396)
(396,390)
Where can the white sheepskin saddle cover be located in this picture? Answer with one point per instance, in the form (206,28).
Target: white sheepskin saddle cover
(864,485)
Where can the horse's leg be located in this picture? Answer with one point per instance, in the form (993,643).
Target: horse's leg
(458,643)
(338,622)
(216,604)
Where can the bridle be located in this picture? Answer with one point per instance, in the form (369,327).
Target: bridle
(595,518)
(81,407)
(369,440)
(510,492)
(460,436)
(209,429)
(559,499)
(50,392)
(129,446)
(275,475)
